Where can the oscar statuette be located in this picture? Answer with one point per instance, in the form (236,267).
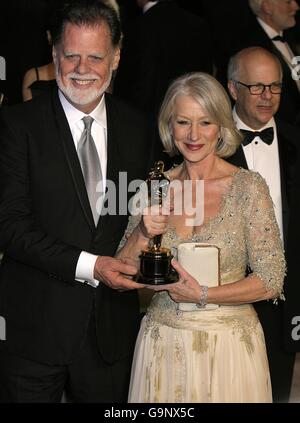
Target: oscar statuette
(155,261)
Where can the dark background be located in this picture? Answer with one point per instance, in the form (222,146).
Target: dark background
(23,41)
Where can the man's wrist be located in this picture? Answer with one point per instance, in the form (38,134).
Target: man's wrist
(85,268)
(96,268)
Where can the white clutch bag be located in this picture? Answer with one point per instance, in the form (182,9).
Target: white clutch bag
(202,261)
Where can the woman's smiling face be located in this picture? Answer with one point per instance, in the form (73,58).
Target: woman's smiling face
(194,133)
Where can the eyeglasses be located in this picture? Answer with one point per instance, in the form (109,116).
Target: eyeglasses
(258,89)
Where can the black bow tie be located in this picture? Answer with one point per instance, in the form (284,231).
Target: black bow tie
(267,135)
(279,38)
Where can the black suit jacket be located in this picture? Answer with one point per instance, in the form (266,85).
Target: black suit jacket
(289,154)
(46,221)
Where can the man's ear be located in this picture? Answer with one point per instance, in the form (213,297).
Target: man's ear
(116,59)
(232,89)
(54,54)
(49,38)
(267,7)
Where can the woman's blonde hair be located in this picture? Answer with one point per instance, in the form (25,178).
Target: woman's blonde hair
(210,94)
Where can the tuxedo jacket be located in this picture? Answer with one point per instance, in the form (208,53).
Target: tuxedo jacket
(45,223)
(254,35)
(289,154)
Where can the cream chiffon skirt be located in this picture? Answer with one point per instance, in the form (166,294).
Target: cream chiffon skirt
(203,356)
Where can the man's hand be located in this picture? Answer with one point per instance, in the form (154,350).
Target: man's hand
(116,273)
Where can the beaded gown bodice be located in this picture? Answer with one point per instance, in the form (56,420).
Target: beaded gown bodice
(180,355)
(245,230)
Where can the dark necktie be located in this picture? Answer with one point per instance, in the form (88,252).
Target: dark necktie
(90,165)
(267,135)
(279,38)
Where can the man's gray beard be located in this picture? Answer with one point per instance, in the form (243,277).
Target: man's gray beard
(77,96)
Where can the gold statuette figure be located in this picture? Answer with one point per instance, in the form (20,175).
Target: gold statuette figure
(155,267)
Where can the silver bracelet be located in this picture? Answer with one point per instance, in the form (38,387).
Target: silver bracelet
(203,297)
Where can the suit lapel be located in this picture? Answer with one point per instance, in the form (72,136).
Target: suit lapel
(238,159)
(113,166)
(287,80)
(72,159)
(283,184)
(113,156)
(287,157)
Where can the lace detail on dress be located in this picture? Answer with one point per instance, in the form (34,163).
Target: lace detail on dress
(246,327)
(200,341)
(152,327)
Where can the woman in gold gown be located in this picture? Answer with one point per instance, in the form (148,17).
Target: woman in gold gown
(207,355)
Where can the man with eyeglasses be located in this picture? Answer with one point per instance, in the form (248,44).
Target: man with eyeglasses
(269,147)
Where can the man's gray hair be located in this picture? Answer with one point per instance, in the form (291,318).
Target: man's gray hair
(255,6)
(233,69)
(85,13)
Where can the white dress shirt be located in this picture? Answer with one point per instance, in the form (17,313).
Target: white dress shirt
(264,159)
(86,262)
(284,48)
(149,5)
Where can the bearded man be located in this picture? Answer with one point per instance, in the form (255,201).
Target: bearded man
(70,327)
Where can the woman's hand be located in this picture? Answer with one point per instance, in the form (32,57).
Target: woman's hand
(154,221)
(186,290)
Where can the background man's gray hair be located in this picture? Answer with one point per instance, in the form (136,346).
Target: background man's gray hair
(233,69)
(255,6)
